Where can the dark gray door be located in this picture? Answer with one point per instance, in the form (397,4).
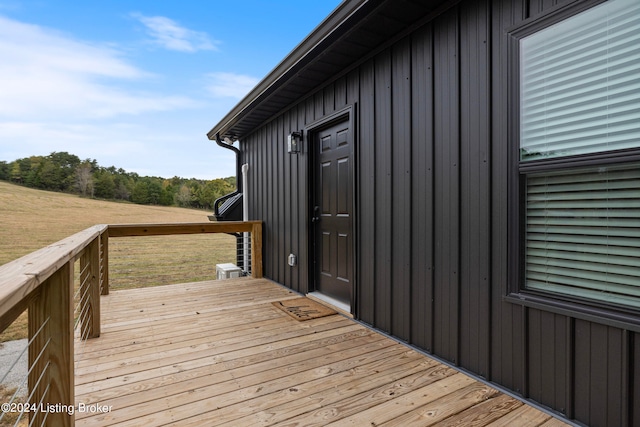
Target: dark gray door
(333,211)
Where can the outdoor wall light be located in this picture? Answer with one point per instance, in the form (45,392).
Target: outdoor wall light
(294,142)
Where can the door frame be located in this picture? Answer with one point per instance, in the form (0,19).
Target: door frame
(346,114)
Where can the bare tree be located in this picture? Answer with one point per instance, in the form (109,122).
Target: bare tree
(184,196)
(84,179)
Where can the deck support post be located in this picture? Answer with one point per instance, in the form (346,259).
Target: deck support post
(256,250)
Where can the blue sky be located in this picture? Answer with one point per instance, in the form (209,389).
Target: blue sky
(137,84)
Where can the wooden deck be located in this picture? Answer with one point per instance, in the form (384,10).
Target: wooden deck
(219,353)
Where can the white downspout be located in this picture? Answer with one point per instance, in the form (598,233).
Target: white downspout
(245,215)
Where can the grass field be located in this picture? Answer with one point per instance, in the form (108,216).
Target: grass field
(31,219)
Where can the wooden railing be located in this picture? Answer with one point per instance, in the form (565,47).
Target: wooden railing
(43,282)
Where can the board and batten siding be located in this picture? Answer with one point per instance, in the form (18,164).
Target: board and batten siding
(431,177)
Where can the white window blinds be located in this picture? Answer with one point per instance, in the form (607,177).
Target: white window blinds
(580,84)
(583,233)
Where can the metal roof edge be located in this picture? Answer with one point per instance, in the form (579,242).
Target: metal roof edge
(281,72)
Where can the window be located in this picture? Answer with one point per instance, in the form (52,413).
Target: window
(579,157)
(583,233)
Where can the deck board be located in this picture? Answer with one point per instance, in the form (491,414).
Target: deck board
(218,353)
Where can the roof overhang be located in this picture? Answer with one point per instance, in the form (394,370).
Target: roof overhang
(353,32)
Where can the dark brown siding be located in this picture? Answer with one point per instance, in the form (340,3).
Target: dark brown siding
(548,339)
(598,360)
(447,185)
(422,190)
(431,216)
(383,230)
(507,338)
(475,187)
(365,195)
(401,200)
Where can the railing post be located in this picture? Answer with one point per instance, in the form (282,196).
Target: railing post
(90,291)
(94,249)
(104,262)
(256,250)
(53,305)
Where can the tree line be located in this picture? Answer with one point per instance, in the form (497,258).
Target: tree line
(64,172)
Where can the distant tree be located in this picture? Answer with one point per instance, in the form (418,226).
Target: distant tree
(61,171)
(214,189)
(65,160)
(122,192)
(4,171)
(184,197)
(84,179)
(31,168)
(167,197)
(207,194)
(176,181)
(15,174)
(123,185)
(51,176)
(140,193)
(155,191)
(104,185)
(66,165)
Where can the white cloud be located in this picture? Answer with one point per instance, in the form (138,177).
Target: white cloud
(34,45)
(170,35)
(59,93)
(45,74)
(230,84)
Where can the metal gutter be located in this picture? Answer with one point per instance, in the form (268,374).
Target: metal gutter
(221,200)
(238,160)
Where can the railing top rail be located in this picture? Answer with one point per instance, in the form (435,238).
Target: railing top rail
(20,277)
(130,230)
